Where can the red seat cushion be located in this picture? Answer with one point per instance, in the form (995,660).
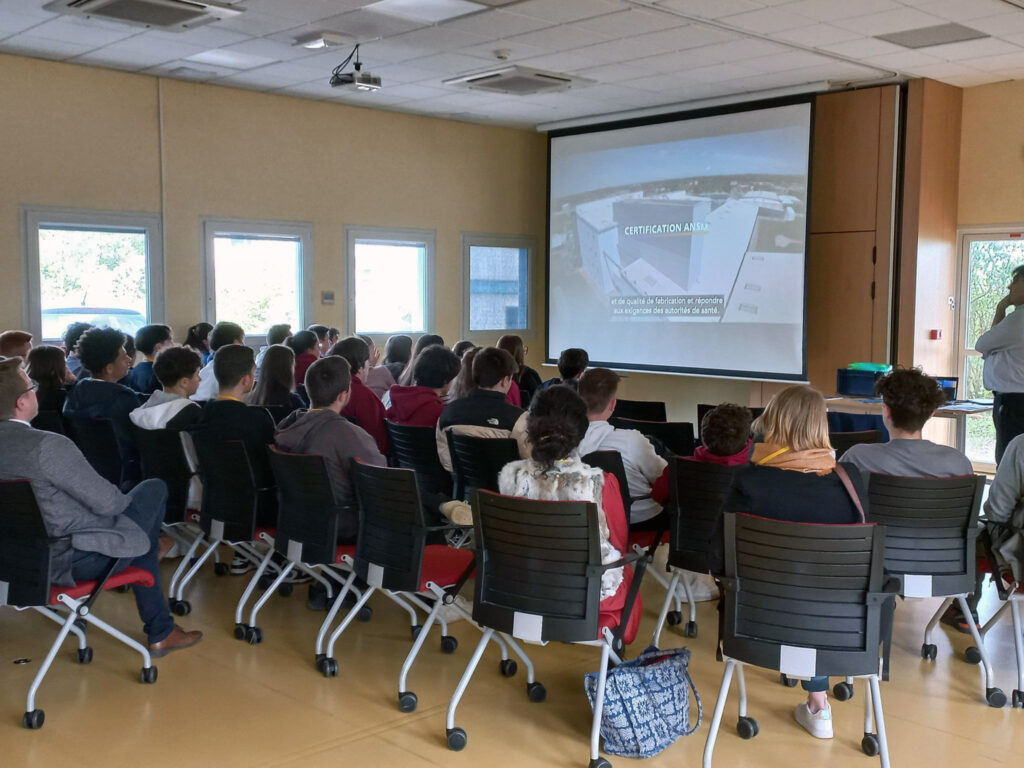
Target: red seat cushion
(130,575)
(443,565)
(645,538)
(345,549)
(271,531)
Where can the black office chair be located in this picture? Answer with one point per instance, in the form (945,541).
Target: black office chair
(806,600)
(415,448)
(640,410)
(476,461)
(704,408)
(26,551)
(300,390)
(844,441)
(930,548)
(538,579)
(163,457)
(49,421)
(97,441)
(670,438)
(698,492)
(278,412)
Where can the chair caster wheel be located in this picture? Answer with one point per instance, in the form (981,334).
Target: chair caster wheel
(329,667)
(508,667)
(221,569)
(449,644)
(995,697)
(181,608)
(599,762)
(929,651)
(1018,699)
(84,655)
(148,675)
(240,630)
(691,629)
(285,589)
(869,745)
(319,663)
(973,655)
(842,691)
(536,692)
(33,720)
(415,629)
(747,727)
(254,635)
(265,581)
(674,617)
(365,614)
(407,701)
(456,739)
(784,679)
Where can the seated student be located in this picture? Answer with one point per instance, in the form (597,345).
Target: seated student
(324,431)
(276,334)
(333,336)
(424,341)
(307,351)
(571,365)
(323,338)
(484,412)
(47,367)
(275,382)
(909,398)
(71,336)
(397,354)
(363,406)
(75,501)
(527,380)
(149,340)
(378,377)
(198,338)
(463,382)
(421,404)
(793,476)
(229,418)
(643,465)
(556,423)
(222,335)
(177,370)
(101,397)
(15,344)
(462,346)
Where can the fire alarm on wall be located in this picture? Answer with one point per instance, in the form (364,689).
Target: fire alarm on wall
(935,334)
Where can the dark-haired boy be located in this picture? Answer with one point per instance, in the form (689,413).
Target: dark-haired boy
(571,365)
(421,405)
(71,336)
(323,338)
(276,334)
(363,406)
(149,340)
(177,370)
(222,335)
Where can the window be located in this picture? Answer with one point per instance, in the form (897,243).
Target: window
(390,280)
(495,283)
(99,267)
(257,273)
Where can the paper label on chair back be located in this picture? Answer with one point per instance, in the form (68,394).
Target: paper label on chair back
(4,589)
(528,627)
(917,586)
(294,551)
(217,530)
(797,662)
(375,575)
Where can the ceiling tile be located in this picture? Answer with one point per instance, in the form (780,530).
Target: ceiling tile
(885,23)
(68,29)
(418,91)
(192,70)
(515,51)
(737,50)
(1002,63)
(448,64)
(11,23)
(958,10)
(780,62)
(718,72)
(1000,26)
(255,23)
(816,35)
(766,20)
(711,9)
(862,48)
(312,90)
(210,36)
(366,25)
(432,11)
(260,77)
(270,49)
(908,60)
(30,45)
(496,24)
(561,38)
(400,74)
(969,81)
(972,49)
(24,8)
(303,11)
(293,72)
(437,39)
(563,62)
(943,69)
(616,73)
(222,57)
(831,10)
(567,10)
(631,22)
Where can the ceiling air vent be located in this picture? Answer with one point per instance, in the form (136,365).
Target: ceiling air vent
(518,81)
(172,15)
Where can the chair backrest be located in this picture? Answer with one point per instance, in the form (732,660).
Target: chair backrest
(803,599)
(232,506)
(676,436)
(392,533)
(476,461)
(308,513)
(698,491)
(278,412)
(97,441)
(931,530)
(844,441)
(415,448)
(300,390)
(24,547)
(49,421)
(611,461)
(537,564)
(642,410)
(703,408)
(163,457)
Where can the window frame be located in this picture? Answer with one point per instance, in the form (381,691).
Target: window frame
(490,240)
(214,226)
(34,217)
(394,236)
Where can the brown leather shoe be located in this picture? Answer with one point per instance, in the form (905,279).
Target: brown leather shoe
(175,641)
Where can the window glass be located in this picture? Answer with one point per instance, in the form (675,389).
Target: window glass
(498,282)
(258,281)
(390,286)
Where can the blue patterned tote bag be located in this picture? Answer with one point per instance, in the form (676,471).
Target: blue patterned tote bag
(646,703)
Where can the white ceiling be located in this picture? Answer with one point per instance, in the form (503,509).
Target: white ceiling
(641,53)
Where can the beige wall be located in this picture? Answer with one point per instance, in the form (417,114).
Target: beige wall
(992,155)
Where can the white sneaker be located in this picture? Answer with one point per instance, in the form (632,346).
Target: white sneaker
(818,724)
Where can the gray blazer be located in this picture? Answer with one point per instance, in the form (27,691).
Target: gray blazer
(74,500)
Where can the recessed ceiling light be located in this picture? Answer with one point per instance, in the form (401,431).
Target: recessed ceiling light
(925,37)
(425,10)
(316,40)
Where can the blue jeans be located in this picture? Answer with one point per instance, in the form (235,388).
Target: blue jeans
(815,684)
(148,504)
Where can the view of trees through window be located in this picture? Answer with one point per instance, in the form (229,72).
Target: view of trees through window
(257,281)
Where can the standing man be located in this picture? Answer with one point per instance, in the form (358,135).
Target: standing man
(1002,347)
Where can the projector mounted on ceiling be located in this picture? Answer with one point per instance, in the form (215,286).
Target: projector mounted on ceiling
(357,79)
(518,81)
(171,15)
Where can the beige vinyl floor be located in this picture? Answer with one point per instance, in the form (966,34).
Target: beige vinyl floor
(225,703)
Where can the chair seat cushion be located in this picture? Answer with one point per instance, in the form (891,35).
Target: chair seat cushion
(645,538)
(270,530)
(130,575)
(443,565)
(345,549)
